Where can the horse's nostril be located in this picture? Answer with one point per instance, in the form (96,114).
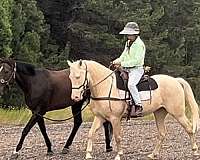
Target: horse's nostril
(76,97)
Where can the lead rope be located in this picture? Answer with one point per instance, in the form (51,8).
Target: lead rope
(62,120)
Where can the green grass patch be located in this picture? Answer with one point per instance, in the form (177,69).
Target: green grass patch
(14,116)
(21,116)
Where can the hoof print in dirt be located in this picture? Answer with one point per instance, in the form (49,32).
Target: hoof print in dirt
(14,156)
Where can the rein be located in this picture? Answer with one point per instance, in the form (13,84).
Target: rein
(62,120)
(85,87)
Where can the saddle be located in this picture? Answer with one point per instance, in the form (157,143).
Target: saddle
(146,83)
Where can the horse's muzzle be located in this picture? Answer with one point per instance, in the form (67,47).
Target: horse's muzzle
(76,98)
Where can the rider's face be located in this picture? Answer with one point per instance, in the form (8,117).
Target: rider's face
(132,37)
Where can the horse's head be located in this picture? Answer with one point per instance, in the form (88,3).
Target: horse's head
(79,79)
(7,73)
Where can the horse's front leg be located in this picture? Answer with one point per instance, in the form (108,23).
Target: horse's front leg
(116,123)
(25,131)
(44,133)
(97,123)
(76,111)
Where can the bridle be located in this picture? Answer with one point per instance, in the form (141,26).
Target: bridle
(86,87)
(109,98)
(12,75)
(85,82)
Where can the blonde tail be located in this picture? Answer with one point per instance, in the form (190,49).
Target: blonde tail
(192,102)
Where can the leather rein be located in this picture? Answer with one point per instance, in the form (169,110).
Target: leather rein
(86,87)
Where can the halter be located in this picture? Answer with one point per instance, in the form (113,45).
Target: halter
(12,75)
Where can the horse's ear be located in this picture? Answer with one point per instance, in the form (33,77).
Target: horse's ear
(80,62)
(69,63)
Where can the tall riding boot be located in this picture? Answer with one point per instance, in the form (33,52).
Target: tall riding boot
(138,110)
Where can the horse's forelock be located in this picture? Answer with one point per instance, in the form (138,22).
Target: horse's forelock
(10,62)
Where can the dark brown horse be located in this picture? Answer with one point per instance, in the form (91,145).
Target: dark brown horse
(44,91)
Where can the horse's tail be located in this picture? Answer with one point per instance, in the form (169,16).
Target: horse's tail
(192,102)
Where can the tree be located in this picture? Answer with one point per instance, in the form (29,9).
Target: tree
(29,30)
(5,27)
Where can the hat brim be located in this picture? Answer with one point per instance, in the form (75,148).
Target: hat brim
(129,31)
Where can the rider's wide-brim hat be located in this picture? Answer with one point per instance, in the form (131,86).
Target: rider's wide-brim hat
(129,31)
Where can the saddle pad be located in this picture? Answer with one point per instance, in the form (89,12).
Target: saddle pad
(143,85)
(144,95)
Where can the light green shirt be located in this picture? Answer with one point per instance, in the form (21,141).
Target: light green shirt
(133,56)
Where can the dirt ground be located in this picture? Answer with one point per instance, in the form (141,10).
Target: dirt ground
(139,139)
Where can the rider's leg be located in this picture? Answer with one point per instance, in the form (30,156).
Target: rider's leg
(135,75)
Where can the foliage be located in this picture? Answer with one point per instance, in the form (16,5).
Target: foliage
(170,30)
(5,27)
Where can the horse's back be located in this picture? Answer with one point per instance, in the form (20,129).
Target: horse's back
(159,78)
(168,86)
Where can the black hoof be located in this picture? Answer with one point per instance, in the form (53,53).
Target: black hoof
(109,149)
(14,156)
(65,151)
(50,153)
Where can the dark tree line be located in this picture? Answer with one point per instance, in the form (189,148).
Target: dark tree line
(48,32)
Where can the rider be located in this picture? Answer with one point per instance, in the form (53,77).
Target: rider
(132,60)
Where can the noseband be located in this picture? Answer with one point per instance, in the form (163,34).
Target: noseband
(12,75)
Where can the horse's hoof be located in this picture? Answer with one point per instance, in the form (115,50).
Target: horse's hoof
(109,149)
(65,151)
(50,153)
(120,152)
(196,153)
(117,157)
(151,156)
(88,156)
(14,156)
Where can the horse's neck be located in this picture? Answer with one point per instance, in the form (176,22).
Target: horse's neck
(22,81)
(100,84)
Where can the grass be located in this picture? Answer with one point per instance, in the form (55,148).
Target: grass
(20,117)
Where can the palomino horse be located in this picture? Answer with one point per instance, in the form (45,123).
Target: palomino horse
(168,98)
(44,91)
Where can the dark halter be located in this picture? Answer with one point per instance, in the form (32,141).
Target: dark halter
(12,75)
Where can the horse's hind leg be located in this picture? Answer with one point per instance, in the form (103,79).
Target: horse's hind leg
(97,123)
(183,120)
(108,135)
(159,117)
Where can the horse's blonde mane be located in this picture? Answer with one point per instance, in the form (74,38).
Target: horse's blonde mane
(95,66)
